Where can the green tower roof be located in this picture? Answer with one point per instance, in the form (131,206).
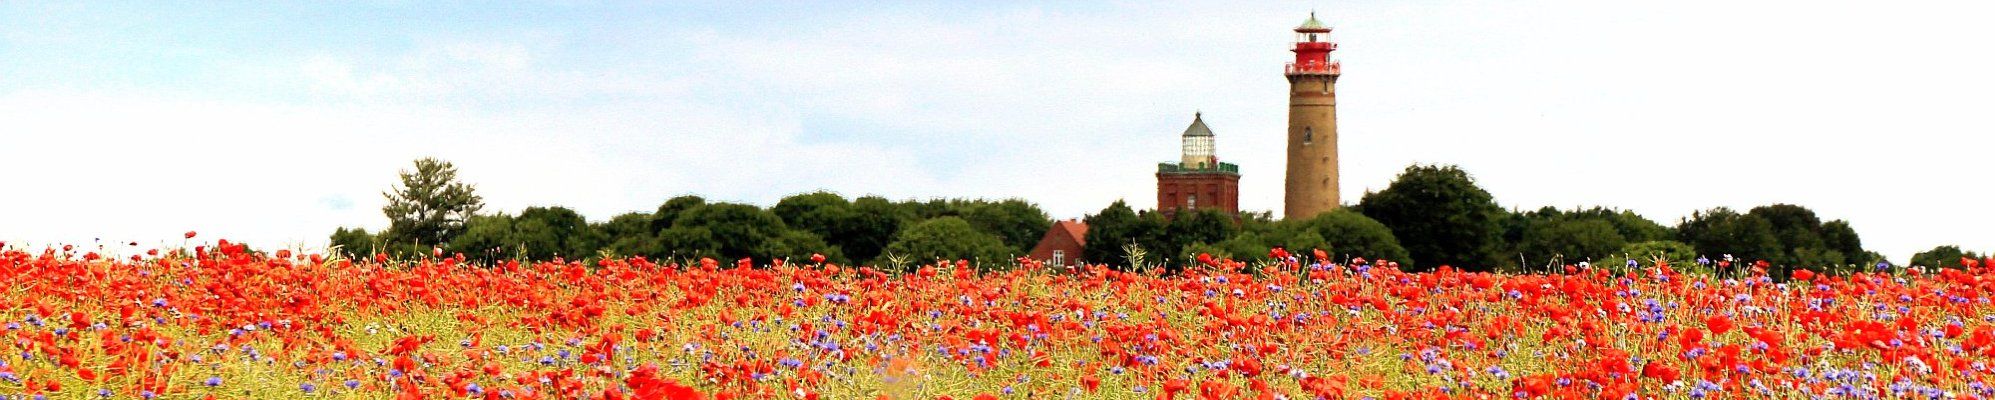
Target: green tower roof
(1197,127)
(1312,24)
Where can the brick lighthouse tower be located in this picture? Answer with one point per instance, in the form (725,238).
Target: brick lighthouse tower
(1312,123)
(1198,180)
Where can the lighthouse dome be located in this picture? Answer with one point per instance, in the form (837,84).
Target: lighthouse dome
(1197,127)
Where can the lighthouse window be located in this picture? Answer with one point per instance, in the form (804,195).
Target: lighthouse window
(1312,37)
(1308,136)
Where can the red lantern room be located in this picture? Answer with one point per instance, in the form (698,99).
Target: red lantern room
(1312,49)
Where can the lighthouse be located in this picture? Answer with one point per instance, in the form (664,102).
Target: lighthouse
(1311,184)
(1198,180)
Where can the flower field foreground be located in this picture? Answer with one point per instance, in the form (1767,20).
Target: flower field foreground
(230,324)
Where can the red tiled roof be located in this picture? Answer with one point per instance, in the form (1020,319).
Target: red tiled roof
(1067,236)
(1078,229)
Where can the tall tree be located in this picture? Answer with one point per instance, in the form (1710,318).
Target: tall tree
(430,207)
(1441,216)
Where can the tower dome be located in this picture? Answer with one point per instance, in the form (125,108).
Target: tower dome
(1198,152)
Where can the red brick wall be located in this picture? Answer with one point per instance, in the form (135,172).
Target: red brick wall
(1215,191)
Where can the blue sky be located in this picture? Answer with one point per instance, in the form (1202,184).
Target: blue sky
(275,123)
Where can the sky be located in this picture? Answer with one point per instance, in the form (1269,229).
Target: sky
(275,123)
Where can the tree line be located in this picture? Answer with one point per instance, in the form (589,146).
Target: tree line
(432,211)
(1431,215)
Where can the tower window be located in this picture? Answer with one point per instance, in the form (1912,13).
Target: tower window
(1308,136)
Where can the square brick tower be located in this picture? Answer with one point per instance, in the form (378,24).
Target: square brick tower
(1198,180)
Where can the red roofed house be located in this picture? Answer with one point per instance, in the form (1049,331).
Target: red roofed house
(1062,245)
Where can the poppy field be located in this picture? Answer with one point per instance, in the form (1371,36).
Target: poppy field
(216,321)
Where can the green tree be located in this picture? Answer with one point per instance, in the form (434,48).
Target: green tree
(1108,231)
(488,239)
(430,207)
(628,234)
(1572,239)
(549,232)
(1721,231)
(949,238)
(1555,234)
(1837,235)
(689,242)
(354,243)
(798,245)
(723,230)
(1795,227)
(1676,253)
(1017,222)
(669,211)
(1152,236)
(1441,216)
(1251,242)
(1345,234)
(819,212)
(1194,227)
(1515,223)
(824,215)
(1246,246)
(537,234)
(874,222)
(1632,227)
(923,210)
(1947,256)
